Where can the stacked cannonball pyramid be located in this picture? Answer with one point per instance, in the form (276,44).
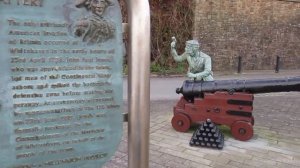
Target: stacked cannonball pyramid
(208,135)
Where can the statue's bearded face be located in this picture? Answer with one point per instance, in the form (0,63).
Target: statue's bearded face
(98,7)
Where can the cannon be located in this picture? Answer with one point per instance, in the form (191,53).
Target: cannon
(225,102)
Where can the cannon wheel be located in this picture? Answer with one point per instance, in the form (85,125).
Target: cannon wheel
(181,122)
(242,130)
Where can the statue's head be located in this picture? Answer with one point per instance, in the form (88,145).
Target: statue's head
(192,47)
(96,6)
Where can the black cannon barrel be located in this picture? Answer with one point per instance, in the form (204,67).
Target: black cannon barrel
(192,88)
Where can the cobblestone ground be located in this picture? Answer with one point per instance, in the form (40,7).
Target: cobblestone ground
(276,141)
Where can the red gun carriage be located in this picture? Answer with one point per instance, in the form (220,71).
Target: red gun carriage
(225,102)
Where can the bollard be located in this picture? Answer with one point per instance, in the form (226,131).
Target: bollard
(239,70)
(277,64)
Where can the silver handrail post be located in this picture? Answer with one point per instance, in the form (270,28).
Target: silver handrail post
(139,83)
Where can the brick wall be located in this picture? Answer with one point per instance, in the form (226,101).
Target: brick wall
(256,30)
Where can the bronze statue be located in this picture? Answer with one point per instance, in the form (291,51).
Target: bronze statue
(95,28)
(199,62)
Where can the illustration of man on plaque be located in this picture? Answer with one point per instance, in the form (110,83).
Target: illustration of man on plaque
(95,28)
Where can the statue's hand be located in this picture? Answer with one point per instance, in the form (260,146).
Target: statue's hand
(191,75)
(173,44)
(80,28)
(79,32)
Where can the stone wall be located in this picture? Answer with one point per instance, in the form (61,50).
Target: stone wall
(256,30)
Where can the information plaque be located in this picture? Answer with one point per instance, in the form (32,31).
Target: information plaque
(61,83)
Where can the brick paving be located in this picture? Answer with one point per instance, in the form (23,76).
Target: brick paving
(276,140)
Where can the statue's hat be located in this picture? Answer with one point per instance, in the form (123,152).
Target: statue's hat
(192,43)
(83,3)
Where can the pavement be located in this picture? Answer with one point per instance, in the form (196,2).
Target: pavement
(276,140)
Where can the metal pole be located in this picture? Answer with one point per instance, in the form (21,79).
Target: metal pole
(139,83)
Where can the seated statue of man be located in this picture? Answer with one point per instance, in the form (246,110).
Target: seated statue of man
(199,62)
